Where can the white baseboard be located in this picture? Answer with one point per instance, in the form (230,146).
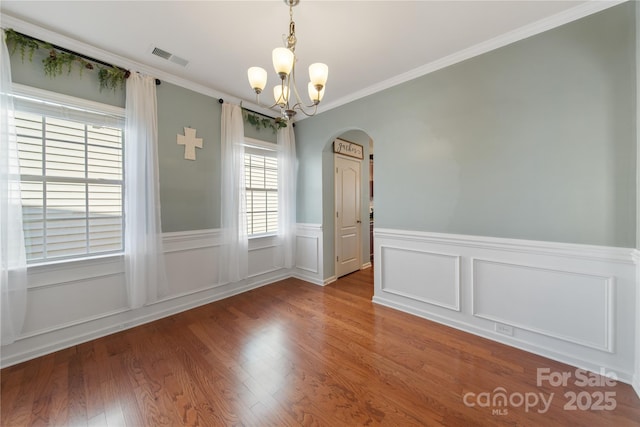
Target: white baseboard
(330,280)
(308,278)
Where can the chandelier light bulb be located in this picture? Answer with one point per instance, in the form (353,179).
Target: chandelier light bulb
(283,60)
(257,78)
(314,94)
(318,74)
(280,97)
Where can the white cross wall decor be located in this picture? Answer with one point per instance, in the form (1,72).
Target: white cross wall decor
(190,143)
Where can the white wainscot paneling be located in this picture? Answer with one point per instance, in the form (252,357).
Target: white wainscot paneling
(309,253)
(429,277)
(636,258)
(573,303)
(265,256)
(191,259)
(188,260)
(66,293)
(76,301)
(191,269)
(569,306)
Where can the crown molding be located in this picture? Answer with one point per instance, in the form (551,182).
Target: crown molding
(565,17)
(8,21)
(546,24)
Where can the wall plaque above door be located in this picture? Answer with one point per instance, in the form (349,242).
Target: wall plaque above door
(347,148)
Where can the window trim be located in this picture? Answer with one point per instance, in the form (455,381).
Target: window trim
(35,95)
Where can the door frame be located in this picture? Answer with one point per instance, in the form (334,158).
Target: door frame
(335,220)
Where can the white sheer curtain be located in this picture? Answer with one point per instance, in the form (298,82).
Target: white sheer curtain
(233,259)
(144,258)
(13,269)
(287,176)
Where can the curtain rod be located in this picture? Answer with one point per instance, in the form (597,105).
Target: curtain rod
(264,115)
(88,58)
(260,114)
(221,101)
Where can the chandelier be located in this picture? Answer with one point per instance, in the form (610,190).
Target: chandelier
(284,62)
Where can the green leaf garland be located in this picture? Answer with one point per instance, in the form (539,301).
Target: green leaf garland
(262,122)
(58,61)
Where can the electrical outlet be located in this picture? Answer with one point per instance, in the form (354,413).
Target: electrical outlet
(504,329)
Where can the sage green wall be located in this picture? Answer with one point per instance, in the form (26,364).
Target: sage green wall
(536,140)
(189,189)
(638,164)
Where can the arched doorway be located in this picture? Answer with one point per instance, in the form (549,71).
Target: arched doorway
(351,216)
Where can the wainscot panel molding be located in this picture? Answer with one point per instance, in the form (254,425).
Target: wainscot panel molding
(539,296)
(309,250)
(59,273)
(73,302)
(573,303)
(193,239)
(436,276)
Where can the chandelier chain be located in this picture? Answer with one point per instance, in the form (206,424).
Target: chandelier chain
(291,40)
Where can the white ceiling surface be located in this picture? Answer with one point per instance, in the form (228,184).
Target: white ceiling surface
(366,44)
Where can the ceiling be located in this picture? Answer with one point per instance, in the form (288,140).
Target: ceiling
(368,45)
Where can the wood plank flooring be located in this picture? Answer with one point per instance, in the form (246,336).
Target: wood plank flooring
(292,354)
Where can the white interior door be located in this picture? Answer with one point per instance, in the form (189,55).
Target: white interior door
(348,215)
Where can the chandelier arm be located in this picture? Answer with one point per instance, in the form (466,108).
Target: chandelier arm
(295,87)
(299,103)
(260,104)
(301,107)
(287,85)
(285,91)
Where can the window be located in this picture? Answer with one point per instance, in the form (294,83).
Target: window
(71,165)
(261,181)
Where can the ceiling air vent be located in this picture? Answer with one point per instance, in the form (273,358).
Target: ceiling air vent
(169,56)
(161,53)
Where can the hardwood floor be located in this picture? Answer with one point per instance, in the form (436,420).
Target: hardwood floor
(292,354)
